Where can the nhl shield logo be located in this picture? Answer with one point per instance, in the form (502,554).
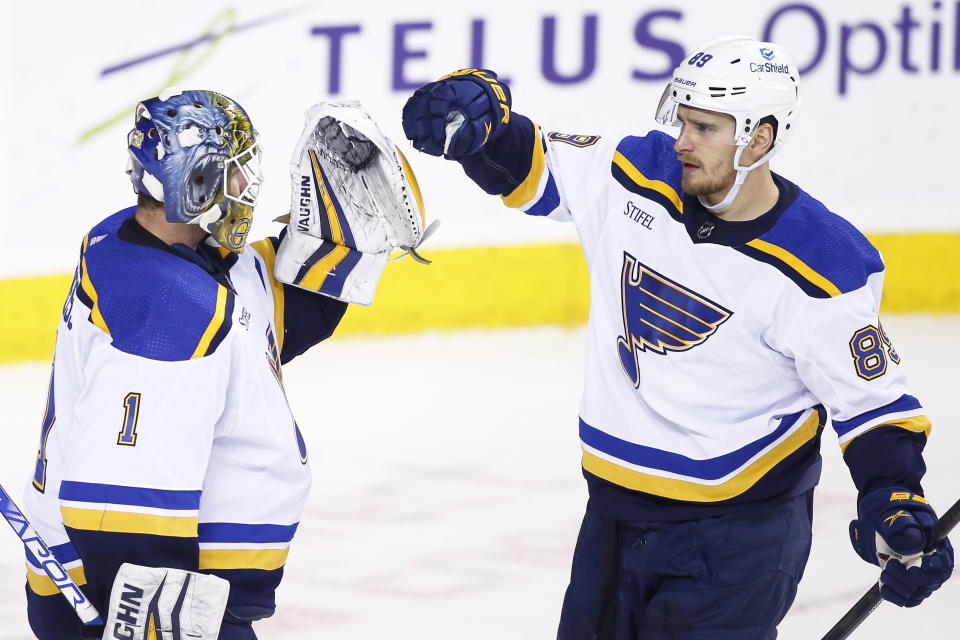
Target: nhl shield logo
(661,315)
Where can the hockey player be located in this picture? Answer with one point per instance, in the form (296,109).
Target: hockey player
(730,311)
(168,447)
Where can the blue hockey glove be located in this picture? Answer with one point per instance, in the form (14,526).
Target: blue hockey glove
(458,114)
(892,532)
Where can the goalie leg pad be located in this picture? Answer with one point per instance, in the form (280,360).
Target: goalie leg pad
(163,603)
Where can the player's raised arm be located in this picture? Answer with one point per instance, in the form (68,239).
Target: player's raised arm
(727,307)
(468,116)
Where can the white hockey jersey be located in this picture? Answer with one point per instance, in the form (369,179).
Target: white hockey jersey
(167,439)
(713,346)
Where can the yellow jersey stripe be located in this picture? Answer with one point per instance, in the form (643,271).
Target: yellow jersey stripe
(126,522)
(796,264)
(215,323)
(917,424)
(527,189)
(318,273)
(266,559)
(692,491)
(95,316)
(335,230)
(414,186)
(657,185)
(269,254)
(42,585)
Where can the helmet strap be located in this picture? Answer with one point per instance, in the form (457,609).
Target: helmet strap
(741,177)
(208,217)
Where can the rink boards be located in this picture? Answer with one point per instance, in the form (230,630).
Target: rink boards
(504,286)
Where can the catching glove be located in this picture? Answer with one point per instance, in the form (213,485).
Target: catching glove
(458,114)
(354,199)
(892,532)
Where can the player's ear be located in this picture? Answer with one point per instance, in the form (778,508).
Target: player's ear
(762,140)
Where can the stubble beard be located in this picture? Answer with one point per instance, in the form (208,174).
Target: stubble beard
(704,182)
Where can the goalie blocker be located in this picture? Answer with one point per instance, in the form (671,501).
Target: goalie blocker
(354,199)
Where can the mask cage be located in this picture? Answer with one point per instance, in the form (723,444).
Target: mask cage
(247,165)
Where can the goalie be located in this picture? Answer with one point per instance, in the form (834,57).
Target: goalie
(171,475)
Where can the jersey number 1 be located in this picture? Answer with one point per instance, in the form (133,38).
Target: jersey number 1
(131,413)
(128,435)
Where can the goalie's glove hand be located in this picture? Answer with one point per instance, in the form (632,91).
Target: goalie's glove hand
(892,532)
(458,114)
(354,199)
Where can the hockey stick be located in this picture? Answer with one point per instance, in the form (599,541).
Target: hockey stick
(871,599)
(83,607)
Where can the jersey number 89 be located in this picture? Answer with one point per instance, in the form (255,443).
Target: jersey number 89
(871,348)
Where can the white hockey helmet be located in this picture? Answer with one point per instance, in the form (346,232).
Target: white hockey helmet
(741,77)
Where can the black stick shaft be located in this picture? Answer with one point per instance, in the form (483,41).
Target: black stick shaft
(871,599)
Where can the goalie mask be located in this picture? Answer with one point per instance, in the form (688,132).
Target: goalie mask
(197,152)
(743,78)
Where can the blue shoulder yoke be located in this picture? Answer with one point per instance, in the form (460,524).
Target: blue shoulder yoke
(647,165)
(152,302)
(821,252)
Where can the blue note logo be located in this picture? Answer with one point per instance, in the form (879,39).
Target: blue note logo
(661,315)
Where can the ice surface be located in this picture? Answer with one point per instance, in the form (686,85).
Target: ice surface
(447,492)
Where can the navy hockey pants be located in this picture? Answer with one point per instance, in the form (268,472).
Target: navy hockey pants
(731,577)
